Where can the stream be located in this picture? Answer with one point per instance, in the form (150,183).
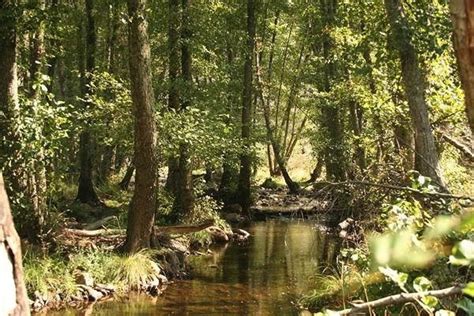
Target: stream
(264,276)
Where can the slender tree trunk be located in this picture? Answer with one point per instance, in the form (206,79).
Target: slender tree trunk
(245,157)
(37,171)
(292,186)
(143,205)
(125,183)
(462,14)
(426,156)
(13,290)
(86,192)
(356,116)
(316,171)
(173,89)
(184,197)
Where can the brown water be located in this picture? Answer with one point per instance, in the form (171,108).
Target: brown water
(263,277)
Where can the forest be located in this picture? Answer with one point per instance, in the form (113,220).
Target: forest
(237,157)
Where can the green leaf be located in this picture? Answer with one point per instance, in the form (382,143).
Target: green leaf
(430,301)
(399,249)
(400,278)
(466,305)
(463,253)
(469,289)
(422,284)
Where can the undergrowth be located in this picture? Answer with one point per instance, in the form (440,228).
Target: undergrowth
(57,275)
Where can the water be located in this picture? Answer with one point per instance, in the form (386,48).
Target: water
(263,277)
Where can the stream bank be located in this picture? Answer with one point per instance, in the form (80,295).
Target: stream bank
(264,276)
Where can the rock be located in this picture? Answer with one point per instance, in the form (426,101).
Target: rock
(106,287)
(240,234)
(163,279)
(92,294)
(217,234)
(233,217)
(84,278)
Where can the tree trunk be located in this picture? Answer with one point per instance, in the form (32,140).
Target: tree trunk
(10,159)
(356,115)
(331,121)
(173,89)
(462,14)
(143,205)
(292,186)
(426,156)
(12,291)
(316,171)
(245,157)
(86,192)
(37,171)
(125,183)
(184,196)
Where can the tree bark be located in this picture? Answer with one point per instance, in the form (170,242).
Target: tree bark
(462,14)
(173,88)
(245,157)
(426,156)
(143,205)
(86,192)
(13,291)
(184,197)
(331,121)
(10,159)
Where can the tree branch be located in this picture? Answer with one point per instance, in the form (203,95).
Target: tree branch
(399,188)
(401,299)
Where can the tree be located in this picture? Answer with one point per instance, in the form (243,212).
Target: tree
(86,192)
(247,98)
(462,17)
(9,107)
(184,196)
(426,156)
(331,116)
(13,292)
(143,205)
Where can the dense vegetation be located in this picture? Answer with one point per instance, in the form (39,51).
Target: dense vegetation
(167,112)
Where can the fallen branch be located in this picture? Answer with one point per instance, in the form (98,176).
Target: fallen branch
(399,188)
(100,223)
(93,233)
(184,229)
(400,299)
(178,229)
(458,145)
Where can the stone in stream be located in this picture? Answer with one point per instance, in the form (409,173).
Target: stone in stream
(217,234)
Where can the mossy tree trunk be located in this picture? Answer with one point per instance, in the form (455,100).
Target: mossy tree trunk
(247,97)
(144,201)
(426,155)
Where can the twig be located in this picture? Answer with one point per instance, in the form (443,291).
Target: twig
(400,299)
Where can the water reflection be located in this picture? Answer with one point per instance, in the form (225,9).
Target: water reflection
(262,277)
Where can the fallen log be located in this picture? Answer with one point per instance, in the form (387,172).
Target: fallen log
(177,229)
(400,299)
(101,222)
